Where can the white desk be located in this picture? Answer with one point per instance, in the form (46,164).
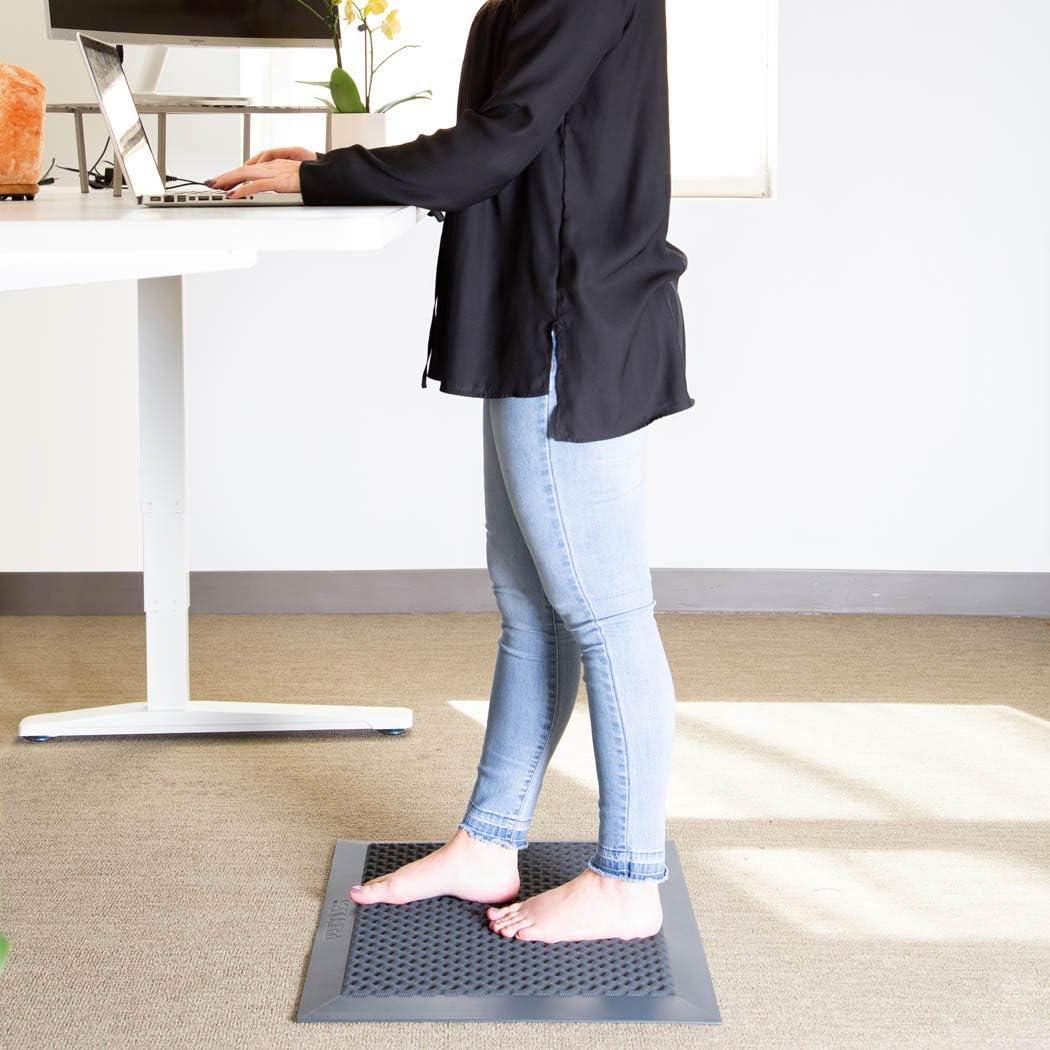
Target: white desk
(65,238)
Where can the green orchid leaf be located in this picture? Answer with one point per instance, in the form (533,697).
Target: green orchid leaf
(5,950)
(316,83)
(345,95)
(408,98)
(326,103)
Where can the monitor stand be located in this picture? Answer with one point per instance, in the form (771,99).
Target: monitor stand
(153,98)
(144,65)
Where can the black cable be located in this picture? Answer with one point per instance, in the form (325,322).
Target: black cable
(98,159)
(185,182)
(95,178)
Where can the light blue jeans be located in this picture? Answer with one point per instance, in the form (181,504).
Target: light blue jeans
(566,552)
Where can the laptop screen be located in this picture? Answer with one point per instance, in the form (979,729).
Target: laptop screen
(118,107)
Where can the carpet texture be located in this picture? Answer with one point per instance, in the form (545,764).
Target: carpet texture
(861,804)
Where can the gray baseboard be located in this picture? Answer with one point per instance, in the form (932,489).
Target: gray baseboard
(469,590)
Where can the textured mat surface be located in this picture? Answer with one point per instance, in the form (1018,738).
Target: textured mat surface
(438,960)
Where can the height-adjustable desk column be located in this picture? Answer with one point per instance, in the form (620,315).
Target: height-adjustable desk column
(65,238)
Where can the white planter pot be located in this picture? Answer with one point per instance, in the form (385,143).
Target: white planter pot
(359,129)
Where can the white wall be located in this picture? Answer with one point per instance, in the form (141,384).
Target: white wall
(868,351)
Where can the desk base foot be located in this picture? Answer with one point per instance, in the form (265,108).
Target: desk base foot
(213,716)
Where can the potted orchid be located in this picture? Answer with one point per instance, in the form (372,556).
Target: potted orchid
(352,111)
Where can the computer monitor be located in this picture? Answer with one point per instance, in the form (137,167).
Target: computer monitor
(249,23)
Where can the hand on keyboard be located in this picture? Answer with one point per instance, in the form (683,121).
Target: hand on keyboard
(267,176)
(283,153)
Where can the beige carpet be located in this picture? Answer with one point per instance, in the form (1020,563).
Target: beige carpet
(862,805)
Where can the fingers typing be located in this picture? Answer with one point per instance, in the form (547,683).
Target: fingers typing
(246,189)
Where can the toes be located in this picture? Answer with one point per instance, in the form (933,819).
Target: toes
(515,927)
(503,920)
(495,913)
(508,924)
(529,933)
(372,891)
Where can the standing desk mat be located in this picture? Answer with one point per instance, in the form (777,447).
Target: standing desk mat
(437,959)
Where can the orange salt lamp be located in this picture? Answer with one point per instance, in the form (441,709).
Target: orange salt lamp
(22,100)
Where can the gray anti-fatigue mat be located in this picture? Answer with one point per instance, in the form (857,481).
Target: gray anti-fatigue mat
(437,959)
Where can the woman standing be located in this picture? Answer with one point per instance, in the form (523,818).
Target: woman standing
(556,303)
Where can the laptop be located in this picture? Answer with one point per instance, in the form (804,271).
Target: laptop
(117,104)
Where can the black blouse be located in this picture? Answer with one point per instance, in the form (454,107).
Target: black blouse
(556,183)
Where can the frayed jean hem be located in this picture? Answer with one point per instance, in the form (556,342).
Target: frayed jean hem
(487,830)
(628,870)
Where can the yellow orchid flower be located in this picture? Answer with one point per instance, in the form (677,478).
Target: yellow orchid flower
(391,25)
(375,7)
(350,13)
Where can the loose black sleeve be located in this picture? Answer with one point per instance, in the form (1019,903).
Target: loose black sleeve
(552,48)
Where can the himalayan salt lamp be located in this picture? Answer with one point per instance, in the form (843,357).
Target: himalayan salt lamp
(22,101)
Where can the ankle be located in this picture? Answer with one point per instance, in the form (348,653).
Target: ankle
(623,887)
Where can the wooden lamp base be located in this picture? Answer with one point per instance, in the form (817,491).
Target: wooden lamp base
(18,190)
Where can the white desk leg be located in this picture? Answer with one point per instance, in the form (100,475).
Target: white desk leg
(162,478)
(166,592)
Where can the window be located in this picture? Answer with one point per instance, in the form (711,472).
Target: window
(720,69)
(722,76)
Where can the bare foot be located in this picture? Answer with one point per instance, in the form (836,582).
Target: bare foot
(464,867)
(588,908)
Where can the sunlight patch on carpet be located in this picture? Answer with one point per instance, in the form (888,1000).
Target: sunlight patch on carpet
(839,761)
(928,895)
